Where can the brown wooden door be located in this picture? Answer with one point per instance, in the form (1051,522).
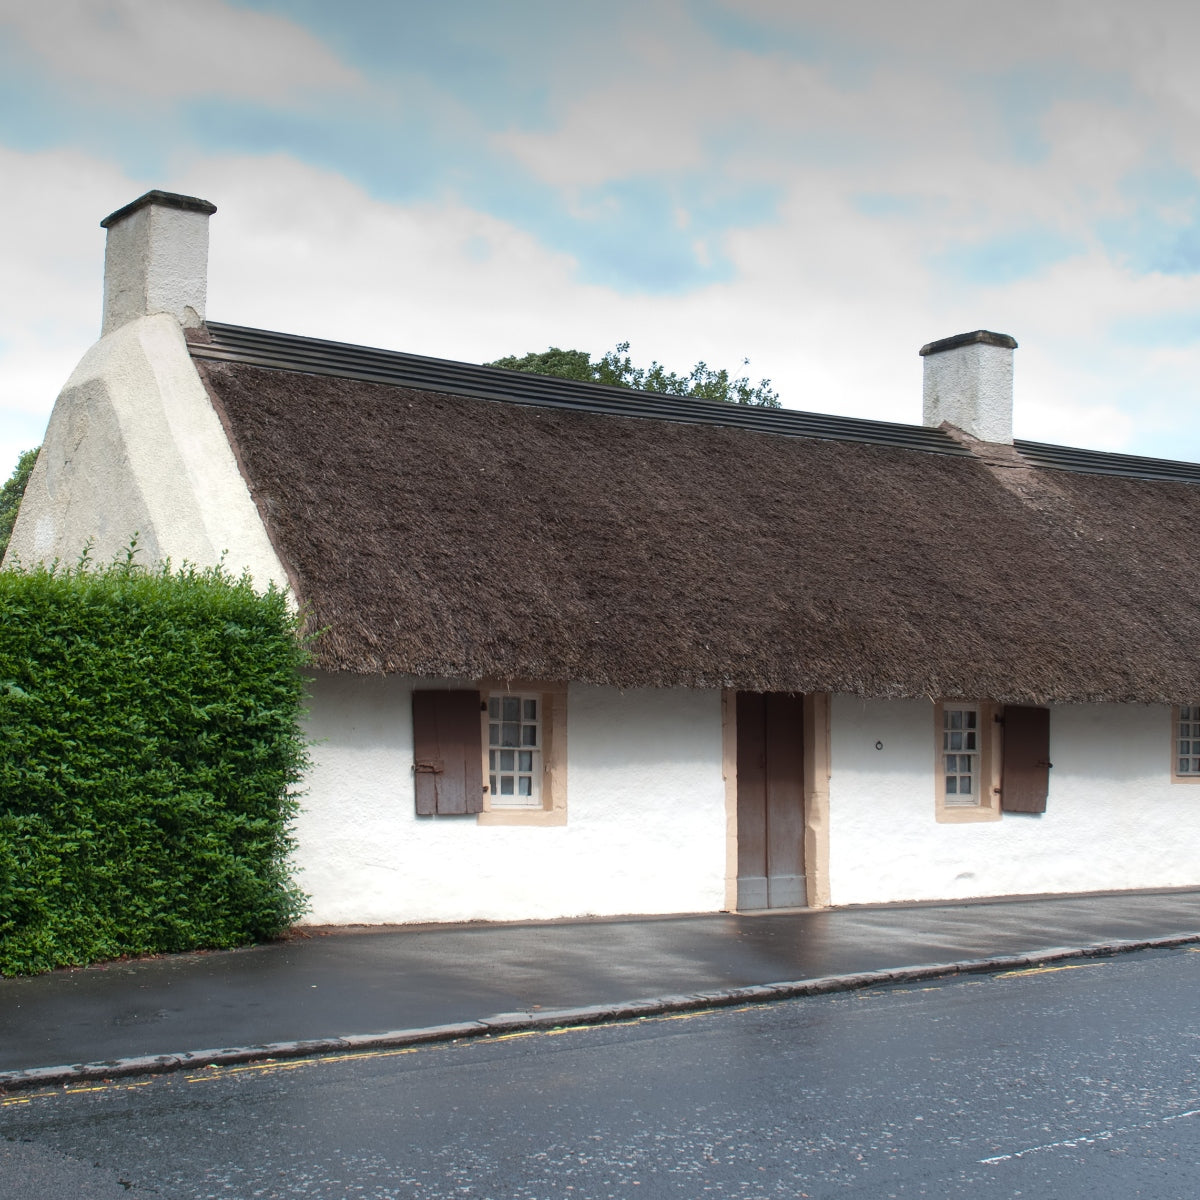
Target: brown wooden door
(770,800)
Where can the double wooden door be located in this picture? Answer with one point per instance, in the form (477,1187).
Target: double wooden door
(770,800)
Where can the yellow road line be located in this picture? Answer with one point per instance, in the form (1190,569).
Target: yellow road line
(1049,970)
(270,1065)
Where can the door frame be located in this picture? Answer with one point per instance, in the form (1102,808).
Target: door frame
(816,796)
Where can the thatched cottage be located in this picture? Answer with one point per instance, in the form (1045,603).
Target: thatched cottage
(595,651)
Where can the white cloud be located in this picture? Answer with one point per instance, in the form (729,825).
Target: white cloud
(636,121)
(155,50)
(53,253)
(303,250)
(923,99)
(1143,54)
(923,102)
(831,302)
(293,247)
(298,248)
(898,128)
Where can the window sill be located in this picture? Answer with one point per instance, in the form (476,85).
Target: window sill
(536,817)
(967,816)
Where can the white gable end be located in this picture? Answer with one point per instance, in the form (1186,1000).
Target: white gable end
(135,446)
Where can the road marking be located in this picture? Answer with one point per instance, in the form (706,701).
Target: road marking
(209,1072)
(1087,1139)
(125,1085)
(1048,970)
(269,1066)
(679,1016)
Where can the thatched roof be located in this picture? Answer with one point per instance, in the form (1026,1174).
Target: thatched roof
(436,534)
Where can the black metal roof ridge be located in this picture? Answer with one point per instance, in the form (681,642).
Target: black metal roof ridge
(314,356)
(1105,462)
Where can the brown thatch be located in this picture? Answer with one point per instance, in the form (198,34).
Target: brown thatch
(438,535)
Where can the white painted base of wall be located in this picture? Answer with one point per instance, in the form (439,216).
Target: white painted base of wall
(1114,820)
(645,828)
(646,819)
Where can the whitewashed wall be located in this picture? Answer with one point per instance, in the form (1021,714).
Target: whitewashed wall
(134,446)
(645,828)
(1114,820)
(645,831)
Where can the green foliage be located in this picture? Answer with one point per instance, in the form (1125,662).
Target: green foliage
(149,743)
(11,493)
(617,370)
(563,364)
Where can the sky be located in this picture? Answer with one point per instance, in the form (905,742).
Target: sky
(817,187)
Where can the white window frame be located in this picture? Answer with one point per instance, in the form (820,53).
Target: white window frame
(984,804)
(547,803)
(513,749)
(1185,728)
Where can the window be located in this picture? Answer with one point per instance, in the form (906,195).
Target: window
(960,755)
(524,742)
(965,762)
(514,726)
(498,753)
(992,760)
(1185,743)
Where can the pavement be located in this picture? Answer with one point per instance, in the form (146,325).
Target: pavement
(324,990)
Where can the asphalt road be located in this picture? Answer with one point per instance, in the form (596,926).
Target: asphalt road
(1081,1079)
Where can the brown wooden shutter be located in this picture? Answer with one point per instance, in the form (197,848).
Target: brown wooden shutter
(448,753)
(1026,772)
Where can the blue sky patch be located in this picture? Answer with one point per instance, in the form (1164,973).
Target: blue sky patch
(630,240)
(888,205)
(1007,257)
(482,54)
(1159,330)
(1161,233)
(845,60)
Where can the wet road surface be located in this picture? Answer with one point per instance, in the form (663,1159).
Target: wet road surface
(1074,1080)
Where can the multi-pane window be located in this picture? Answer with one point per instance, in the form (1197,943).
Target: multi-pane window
(1187,740)
(960,755)
(514,750)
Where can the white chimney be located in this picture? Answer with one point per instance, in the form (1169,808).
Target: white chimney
(156,259)
(969,383)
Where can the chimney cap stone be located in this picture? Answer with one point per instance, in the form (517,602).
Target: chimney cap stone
(986,336)
(164,200)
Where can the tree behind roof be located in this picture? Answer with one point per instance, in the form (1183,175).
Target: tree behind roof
(11,493)
(616,369)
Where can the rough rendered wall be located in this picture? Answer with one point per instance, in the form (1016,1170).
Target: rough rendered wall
(156,261)
(134,445)
(971,387)
(645,829)
(1114,820)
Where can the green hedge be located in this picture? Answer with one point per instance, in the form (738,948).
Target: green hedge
(149,743)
